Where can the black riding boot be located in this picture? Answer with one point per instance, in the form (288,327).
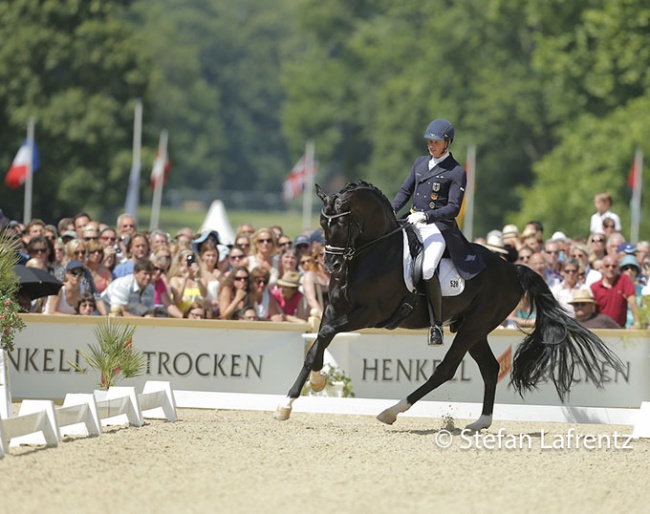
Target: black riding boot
(434,296)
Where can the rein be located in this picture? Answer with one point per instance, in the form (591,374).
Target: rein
(349,252)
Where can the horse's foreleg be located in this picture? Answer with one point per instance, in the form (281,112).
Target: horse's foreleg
(489,367)
(312,366)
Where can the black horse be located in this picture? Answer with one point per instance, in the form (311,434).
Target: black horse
(364,256)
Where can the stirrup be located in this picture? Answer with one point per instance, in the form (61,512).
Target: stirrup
(436,336)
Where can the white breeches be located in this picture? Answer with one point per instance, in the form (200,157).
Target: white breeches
(434,246)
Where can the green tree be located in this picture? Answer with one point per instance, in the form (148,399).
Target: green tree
(595,80)
(216,88)
(76,67)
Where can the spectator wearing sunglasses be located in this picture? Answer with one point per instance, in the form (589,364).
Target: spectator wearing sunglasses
(234,293)
(101,276)
(90,233)
(631,268)
(264,254)
(580,252)
(163,304)
(315,282)
(615,292)
(236,257)
(42,250)
(69,295)
(597,245)
(551,253)
(563,291)
(523,257)
(75,250)
(266,306)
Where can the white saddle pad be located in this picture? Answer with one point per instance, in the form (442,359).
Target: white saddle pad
(451,283)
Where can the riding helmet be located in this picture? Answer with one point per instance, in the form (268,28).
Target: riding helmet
(440,130)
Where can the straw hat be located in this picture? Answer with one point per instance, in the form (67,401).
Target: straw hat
(495,243)
(290,279)
(582,296)
(510,232)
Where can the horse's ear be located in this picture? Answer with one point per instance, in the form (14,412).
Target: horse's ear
(321,195)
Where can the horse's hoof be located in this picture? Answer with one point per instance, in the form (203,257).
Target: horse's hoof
(320,383)
(387,417)
(282,413)
(481,423)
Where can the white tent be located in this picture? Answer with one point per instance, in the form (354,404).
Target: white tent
(217,219)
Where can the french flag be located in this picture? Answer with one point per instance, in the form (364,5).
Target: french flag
(161,166)
(18,172)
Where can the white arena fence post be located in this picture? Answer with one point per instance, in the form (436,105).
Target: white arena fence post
(5,387)
(642,423)
(119,406)
(78,416)
(35,424)
(157,401)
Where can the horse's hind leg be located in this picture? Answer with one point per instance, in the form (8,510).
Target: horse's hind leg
(489,367)
(443,372)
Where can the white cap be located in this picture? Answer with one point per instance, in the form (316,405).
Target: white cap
(559,236)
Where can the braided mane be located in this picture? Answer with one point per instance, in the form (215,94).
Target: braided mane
(367,186)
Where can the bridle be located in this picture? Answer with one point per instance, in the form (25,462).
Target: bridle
(349,252)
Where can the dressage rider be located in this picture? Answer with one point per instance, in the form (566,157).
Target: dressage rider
(437,184)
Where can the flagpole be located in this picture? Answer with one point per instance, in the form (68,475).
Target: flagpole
(468,220)
(635,204)
(158,186)
(27,213)
(133,191)
(308,194)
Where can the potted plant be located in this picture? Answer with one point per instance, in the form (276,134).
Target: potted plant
(10,321)
(113,355)
(338,384)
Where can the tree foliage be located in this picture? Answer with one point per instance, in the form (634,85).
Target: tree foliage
(552,94)
(75,67)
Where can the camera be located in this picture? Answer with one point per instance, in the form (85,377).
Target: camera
(191,259)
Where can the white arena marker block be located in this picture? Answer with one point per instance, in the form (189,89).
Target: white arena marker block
(79,415)
(157,400)
(3,441)
(119,407)
(642,424)
(5,387)
(35,424)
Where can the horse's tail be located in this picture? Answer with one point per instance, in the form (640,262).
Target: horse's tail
(559,347)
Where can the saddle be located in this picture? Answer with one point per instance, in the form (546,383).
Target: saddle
(451,282)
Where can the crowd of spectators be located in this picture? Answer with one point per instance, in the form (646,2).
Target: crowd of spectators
(120,270)
(601,279)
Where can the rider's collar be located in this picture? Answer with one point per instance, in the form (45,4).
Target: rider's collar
(433,162)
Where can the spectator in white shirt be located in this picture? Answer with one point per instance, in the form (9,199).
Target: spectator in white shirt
(132,295)
(603,204)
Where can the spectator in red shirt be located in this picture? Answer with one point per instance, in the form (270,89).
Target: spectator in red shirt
(291,300)
(615,292)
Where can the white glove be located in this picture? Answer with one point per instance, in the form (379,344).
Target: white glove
(416,217)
